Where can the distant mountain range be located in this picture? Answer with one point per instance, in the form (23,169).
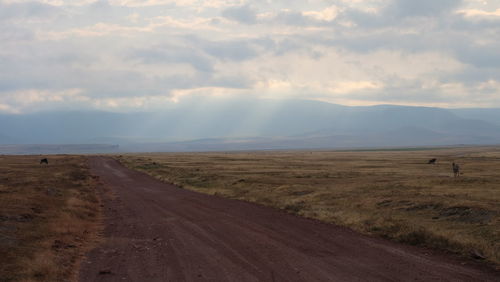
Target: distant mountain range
(257,124)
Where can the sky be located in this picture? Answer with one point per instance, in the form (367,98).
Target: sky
(133,55)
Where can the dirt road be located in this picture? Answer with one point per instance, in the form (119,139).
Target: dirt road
(158,232)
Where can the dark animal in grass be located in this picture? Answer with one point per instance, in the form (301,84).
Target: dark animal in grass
(44,161)
(456,169)
(432,161)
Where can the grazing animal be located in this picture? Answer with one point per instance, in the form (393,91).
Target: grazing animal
(456,169)
(44,161)
(432,161)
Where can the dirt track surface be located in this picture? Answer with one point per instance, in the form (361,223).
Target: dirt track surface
(158,232)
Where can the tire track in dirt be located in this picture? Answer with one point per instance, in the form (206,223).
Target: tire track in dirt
(158,232)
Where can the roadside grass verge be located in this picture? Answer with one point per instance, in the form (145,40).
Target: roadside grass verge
(392,194)
(48,217)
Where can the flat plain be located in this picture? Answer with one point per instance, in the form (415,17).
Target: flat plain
(393,194)
(155,231)
(49,217)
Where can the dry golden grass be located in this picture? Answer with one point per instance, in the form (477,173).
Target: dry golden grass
(49,217)
(394,194)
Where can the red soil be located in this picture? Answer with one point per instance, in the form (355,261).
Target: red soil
(158,232)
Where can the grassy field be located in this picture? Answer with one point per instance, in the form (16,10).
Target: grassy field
(393,194)
(48,217)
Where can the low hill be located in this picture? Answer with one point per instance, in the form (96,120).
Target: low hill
(257,124)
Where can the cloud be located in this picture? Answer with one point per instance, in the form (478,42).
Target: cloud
(175,3)
(327,14)
(480,55)
(25,10)
(20,100)
(402,13)
(243,14)
(174,55)
(234,50)
(131,53)
(12,34)
(347,87)
(479,13)
(421,8)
